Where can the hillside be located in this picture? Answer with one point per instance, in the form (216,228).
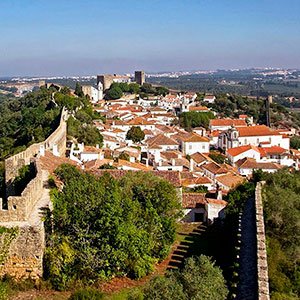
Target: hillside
(234,105)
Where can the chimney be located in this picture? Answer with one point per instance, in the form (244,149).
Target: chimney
(101,155)
(191,165)
(180,155)
(173,162)
(55,150)
(42,150)
(160,163)
(97,146)
(219,194)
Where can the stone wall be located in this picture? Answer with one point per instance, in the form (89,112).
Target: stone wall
(262,263)
(19,207)
(25,256)
(55,142)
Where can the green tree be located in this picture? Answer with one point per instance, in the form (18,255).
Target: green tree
(124,156)
(104,227)
(199,279)
(135,134)
(134,88)
(78,90)
(114,93)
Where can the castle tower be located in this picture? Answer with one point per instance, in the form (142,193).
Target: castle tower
(139,77)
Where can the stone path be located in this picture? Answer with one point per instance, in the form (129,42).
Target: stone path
(247,288)
(36,215)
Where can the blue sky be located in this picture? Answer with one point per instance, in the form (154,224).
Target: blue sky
(83,37)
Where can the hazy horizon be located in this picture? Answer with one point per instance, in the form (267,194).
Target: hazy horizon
(78,38)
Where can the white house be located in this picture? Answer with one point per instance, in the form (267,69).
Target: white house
(235,154)
(253,135)
(209,98)
(191,143)
(247,165)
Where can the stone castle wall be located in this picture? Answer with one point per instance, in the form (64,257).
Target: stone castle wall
(25,256)
(20,207)
(56,139)
(262,263)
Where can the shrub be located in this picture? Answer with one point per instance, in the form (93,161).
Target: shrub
(87,294)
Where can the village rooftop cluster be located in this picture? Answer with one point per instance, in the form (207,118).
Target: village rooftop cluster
(184,158)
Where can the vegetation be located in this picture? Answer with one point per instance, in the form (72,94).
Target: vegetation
(87,294)
(193,119)
(199,279)
(25,175)
(135,134)
(218,157)
(282,214)
(295,142)
(106,227)
(197,189)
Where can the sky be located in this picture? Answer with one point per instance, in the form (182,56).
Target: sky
(89,37)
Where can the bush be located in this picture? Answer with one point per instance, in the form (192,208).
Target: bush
(3,291)
(87,294)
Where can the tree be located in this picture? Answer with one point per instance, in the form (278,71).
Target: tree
(199,279)
(147,88)
(65,90)
(78,90)
(135,134)
(114,93)
(124,156)
(106,227)
(134,88)
(124,86)
(161,90)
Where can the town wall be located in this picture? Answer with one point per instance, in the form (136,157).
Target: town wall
(262,263)
(25,256)
(19,207)
(16,162)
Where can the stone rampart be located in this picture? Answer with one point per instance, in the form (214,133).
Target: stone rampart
(262,263)
(25,256)
(56,142)
(19,207)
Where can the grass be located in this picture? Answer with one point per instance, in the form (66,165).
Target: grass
(121,295)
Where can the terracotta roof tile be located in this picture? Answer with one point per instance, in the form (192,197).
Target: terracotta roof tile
(227,122)
(238,150)
(258,130)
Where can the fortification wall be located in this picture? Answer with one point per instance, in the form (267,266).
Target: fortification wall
(25,257)
(20,207)
(262,263)
(56,139)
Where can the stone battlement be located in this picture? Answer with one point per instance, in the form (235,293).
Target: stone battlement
(262,263)
(56,142)
(19,207)
(25,255)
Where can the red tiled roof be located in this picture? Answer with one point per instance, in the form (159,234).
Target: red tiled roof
(230,180)
(227,122)
(259,130)
(161,140)
(198,108)
(250,163)
(274,150)
(238,150)
(193,200)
